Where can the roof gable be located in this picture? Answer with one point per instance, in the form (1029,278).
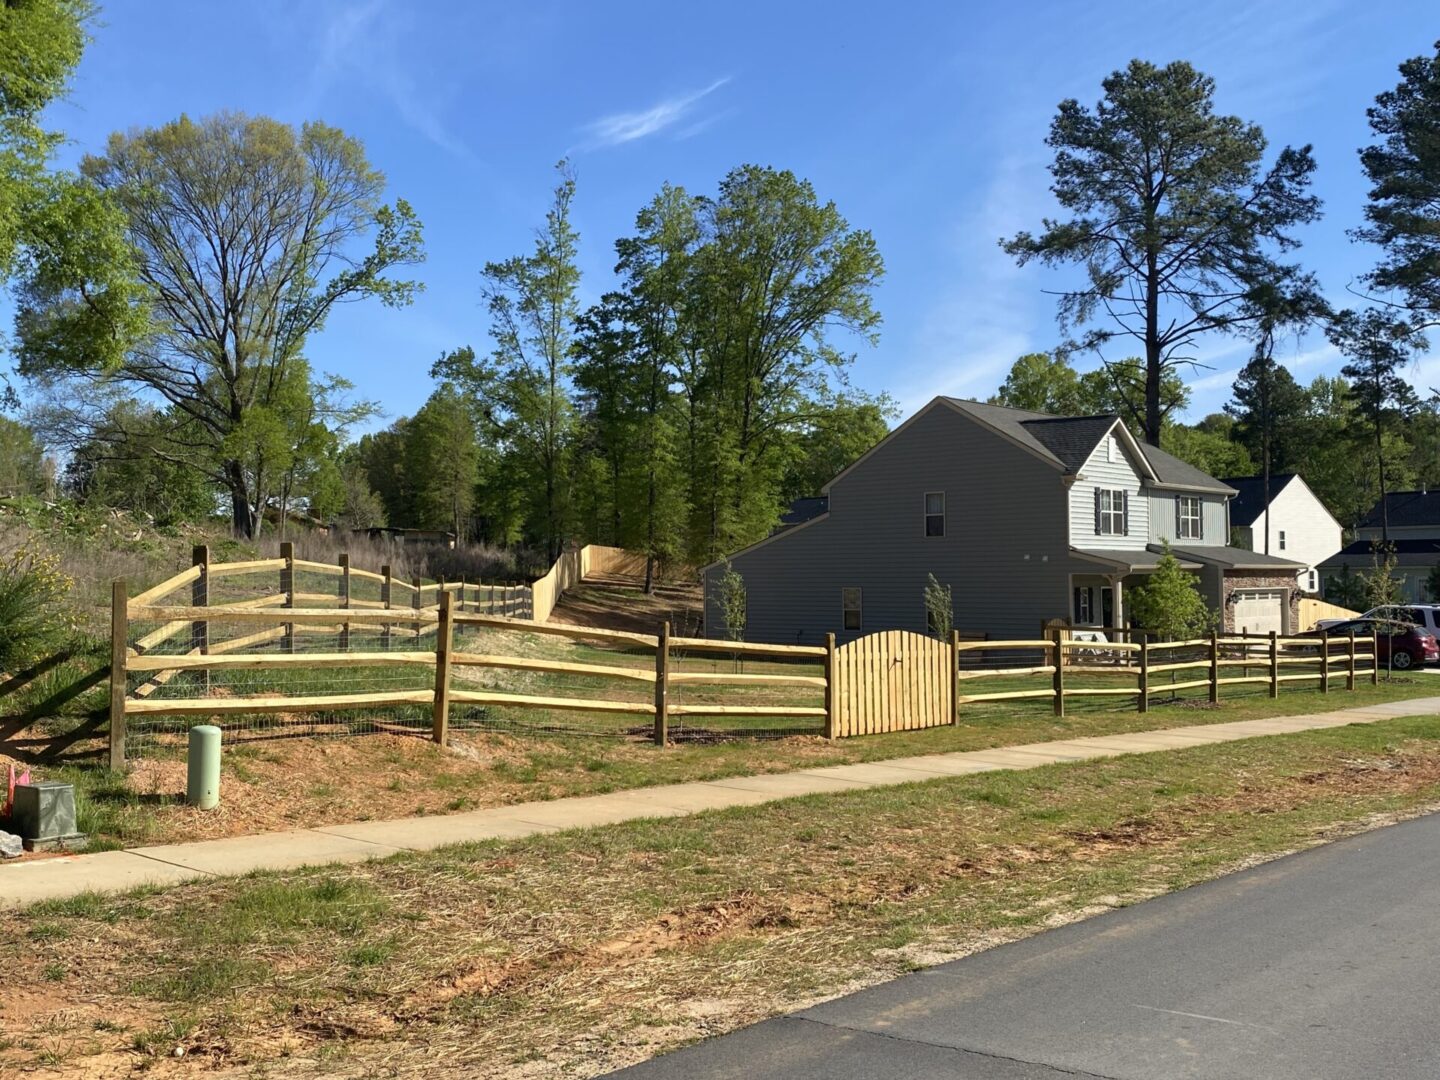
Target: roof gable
(1249,501)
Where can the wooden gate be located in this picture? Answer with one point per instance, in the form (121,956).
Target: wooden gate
(893,681)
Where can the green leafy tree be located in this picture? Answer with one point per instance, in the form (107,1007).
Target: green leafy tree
(1378,347)
(22,460)
(442,460)
(1041,382)
(1119,387)
(1175,220)
(124,464)
(1209,445)
(731,595)
(1267,403)
(843,427)
(245,234)
(1402,215)
(1169,604)
(1347,589)
(939,608)
(1432,583)
(777,272)
(1380,585)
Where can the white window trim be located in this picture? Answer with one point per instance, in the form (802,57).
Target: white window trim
(925,519)
(1198,518)
(1282,539)
(1085,612)
(1115,515)
(859,609)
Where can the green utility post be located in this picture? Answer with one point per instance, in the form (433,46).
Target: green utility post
(202,782)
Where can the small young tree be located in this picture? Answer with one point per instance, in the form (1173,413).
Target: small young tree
(1169,605)
(1432,582)
(730,591)
(1381,586)
(939,608)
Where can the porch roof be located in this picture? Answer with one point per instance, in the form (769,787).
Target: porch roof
(1233,558)
(1142,561)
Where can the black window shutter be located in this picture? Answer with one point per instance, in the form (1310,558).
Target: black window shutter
(1097,512)
(1125,513)
(1179,517)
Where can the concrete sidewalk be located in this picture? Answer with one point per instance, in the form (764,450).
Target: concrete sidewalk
(109,871)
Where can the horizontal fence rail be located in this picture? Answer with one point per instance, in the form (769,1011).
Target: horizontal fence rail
(291,638)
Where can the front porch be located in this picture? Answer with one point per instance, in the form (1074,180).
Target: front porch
(1254,593)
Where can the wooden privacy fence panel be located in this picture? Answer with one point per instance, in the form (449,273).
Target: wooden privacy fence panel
(895,680)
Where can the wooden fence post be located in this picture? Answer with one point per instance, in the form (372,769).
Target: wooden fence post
(1274,665)
(1375,657)
(200,597)
(954,676)
(830,686)
(1058,679)
(1324,661)
(1350,676)
(1214,667)
(444,630)
(662,685)
(287,586)
(1144,695)
(344,593)
(385,594)
(119,635)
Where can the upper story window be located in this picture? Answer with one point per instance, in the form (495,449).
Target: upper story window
(1189,521)
(1282,539)
(934,513)
(1112,512)
(850,608)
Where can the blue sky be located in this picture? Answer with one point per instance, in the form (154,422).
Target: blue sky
(923,122)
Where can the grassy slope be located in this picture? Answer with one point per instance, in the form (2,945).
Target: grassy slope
(574,953)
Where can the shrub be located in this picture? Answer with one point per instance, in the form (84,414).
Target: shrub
(36,619)
(730,591)
(939,608)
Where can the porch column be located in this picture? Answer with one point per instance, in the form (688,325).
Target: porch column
(1117,597)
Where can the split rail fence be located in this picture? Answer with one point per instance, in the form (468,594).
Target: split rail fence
(297,640)
(333,646)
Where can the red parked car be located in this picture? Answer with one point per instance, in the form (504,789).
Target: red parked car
(1401,645)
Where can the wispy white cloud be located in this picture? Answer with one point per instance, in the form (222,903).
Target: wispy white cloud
(619,128)
(361,42)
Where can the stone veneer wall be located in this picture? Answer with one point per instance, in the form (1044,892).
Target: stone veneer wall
(1259,579)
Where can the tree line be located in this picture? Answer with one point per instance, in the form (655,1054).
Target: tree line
(166,292)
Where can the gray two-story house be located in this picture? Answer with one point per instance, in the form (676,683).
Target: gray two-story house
(1027,518)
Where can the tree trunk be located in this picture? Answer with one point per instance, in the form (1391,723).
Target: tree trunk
(1380,465)
(242,517)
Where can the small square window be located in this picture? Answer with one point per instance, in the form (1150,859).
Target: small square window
(934,513)
(850,604)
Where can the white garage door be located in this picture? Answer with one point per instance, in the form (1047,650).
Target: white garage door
(1258,611)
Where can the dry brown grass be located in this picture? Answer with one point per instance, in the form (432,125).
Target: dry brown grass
(568,955)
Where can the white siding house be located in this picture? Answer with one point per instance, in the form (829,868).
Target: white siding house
(1295,525)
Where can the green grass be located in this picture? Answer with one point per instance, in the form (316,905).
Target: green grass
(574,948)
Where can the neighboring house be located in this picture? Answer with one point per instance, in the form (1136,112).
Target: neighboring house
(1027,517)
(1295,525)
(1414,531)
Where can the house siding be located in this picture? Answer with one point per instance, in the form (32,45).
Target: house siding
(874,538)
(1100,472)
(1162,518)
(1312,535)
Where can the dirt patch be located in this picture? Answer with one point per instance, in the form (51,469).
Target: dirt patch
(622,604)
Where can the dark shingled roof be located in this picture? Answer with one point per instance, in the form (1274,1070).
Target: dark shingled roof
(1232,558)
(1249,502)
(802,510)
(1407,509)
(1409,552)
(1070,440)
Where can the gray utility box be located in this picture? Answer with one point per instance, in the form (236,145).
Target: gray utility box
(44,815)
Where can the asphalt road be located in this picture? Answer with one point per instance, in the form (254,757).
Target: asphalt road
(1321,966)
